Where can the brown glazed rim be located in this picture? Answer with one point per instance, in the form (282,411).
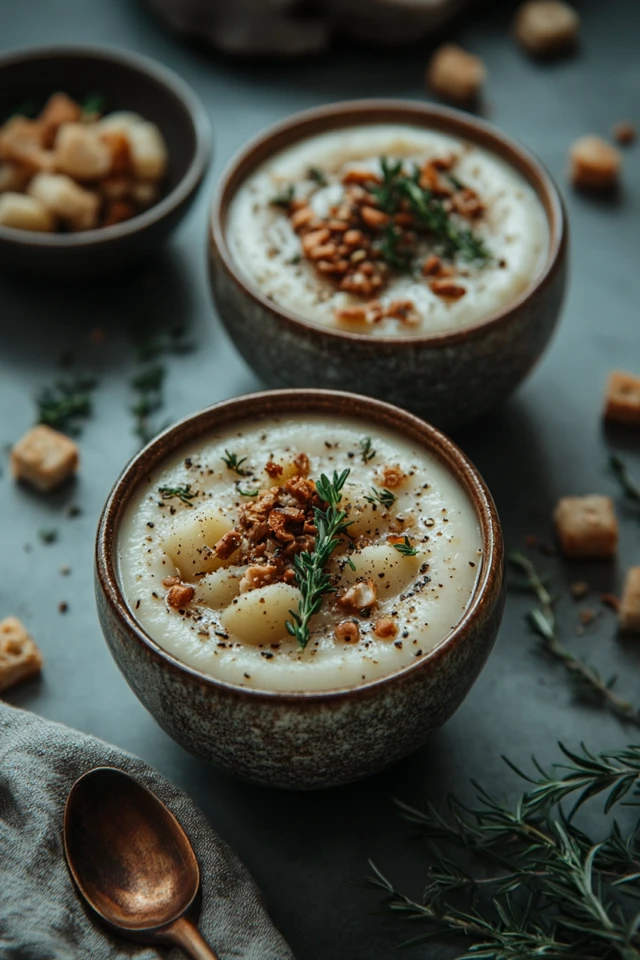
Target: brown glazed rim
(273,403)
(357,113)
(185,186)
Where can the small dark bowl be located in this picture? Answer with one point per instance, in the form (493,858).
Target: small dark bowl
(128,82)
(308,739)
(448,378)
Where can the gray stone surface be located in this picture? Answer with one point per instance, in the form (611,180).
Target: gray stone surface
(309,853)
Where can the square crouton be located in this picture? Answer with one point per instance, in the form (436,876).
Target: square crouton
(44,458)
(622,399)
(594,164)
(629,612)
(586,526)
(546,28)
(456,75)
(20,658)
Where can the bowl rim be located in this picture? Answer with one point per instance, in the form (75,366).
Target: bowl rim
(488,584)
(183,188)
(357,113)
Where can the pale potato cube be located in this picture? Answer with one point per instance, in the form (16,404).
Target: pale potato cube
(629,612)
(20,658)
(44,458)
(455,75)
(190,543)
(24,213)
(259,617)
(622,401)
(365,519)
(587,526)
(65,199)
(546,27)
(219,588)
(79,152)
(148,151)
(13,177)
(390,571)
(594,164)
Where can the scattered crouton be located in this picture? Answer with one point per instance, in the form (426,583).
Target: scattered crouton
(58,109)
(347,631)
(629,612)
(594,164)
(180,595)
(77,207)
(624,132)
(622,398)
(81,153)
(20,658)
(44,458)
(456,75)
(546,28)
(386,628)
(24,213)
(586,526)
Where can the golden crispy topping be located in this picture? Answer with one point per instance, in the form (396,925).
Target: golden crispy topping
(386,628)
(227,544)
(347,632)
(274,469)
(359,598)
(180,595)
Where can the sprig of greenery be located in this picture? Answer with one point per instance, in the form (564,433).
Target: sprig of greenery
(388,246)
(247,493)
(542,618)
(66,402)
(148,382)
(630,488)
(93,103)
(366,449)
(544,888)
(405,548)
(384,497)
(232,462)
(181,491)
(309,567)
(318,176)
(284,198)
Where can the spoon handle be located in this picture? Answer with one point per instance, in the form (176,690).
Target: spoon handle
(184,934)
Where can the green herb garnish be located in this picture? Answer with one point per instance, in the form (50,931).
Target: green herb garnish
(148,384)
(234,464)
(388,246)
(284,198)
(247,493)
(182,492)
(318,176)
(384,497)
(66,402)
(27,109)
(92,104)
(49,535)
(405,548)
(628,484)
(366,450)
(311,577)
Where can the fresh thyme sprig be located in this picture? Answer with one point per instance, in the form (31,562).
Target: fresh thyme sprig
(63,404)
(543,620)
(93,104)
(384,497)
(389,248)
(545,888)
(148,382)
(284,198)
(404,547)
(620,471)
(366,449)
(311,577)
(318,176)
(232,462)
(181,491)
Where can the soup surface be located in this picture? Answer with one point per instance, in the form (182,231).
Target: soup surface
(212,552)
(389,230)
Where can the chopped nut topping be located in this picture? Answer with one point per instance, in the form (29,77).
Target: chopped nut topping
(301,463)
(447,289)
(180,596)
(259,575)
(227,544)
(359,598)
(386,628)
(274,469)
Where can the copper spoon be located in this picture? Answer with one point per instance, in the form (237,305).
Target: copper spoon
(132,861)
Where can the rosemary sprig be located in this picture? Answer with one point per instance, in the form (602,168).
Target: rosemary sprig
(542,619)
(405,548)
(232,462)
(366,449)
(148,382)
(66,402)
(311,577)
(621,472)
(93,104)
(284,198)
(317,176)
(181,491)
(384,497)
(544,887)
(388,246)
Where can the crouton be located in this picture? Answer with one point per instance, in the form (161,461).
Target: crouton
(629,610)
(454,74)
(20,658)
(81,153)
(44,458)
(587,526)
(594,164)
(24,213)
(622,398)
(65,199)
(546,28)
(58,109)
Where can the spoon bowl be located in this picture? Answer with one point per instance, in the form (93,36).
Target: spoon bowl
(131,860)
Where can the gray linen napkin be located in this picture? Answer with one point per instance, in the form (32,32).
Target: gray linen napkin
(41,915)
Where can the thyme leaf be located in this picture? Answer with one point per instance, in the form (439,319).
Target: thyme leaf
(232,462)
(311,577)
(384,497)
(181,491)
(66,402)
(247,493)
(366,450)
(318,176)
(284,198)
(405,548)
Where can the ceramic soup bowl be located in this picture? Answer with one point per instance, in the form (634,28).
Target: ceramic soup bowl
(321,737)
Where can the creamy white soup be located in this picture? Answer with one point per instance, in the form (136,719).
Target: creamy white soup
(223,546)
(388,230)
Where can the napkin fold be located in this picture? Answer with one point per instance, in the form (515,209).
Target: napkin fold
(41,915)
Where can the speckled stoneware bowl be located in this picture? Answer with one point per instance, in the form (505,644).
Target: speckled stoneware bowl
(449,378)
(301,740)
